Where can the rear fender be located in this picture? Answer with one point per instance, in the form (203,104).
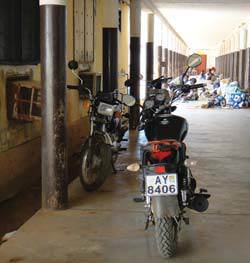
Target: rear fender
(165,206)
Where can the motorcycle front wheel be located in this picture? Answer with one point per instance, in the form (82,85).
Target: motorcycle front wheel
(96,164)
(166,236)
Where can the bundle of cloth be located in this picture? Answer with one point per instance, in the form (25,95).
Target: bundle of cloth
(225,93)
(235,97)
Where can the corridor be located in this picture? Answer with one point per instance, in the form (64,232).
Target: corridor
(73,71)
(109,227)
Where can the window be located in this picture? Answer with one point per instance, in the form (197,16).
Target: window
(19,32)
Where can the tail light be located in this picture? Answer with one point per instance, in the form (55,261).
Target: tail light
(161,155)
(160,169)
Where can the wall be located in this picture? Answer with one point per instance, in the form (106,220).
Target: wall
(233,59)
(11,136)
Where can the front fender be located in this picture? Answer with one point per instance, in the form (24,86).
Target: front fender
(165,206)
(100,136)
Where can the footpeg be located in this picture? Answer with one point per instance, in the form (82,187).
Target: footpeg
(139,199)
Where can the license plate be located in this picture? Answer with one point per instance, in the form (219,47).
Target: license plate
(161,184)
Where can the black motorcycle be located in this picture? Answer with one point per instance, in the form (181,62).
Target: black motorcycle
(167,183)
(108,124)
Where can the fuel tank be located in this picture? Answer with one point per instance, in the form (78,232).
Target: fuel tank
(166,127)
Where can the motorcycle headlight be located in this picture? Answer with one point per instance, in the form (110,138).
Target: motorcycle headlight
(106,109)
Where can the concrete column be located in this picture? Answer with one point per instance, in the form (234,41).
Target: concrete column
(110,45)
(53,82)
(243,38)
(135,34)
(150,49)
(159,61)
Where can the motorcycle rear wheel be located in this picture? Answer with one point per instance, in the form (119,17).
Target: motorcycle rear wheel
(166,236)
(96,165)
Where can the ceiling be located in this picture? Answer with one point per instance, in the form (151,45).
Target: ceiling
(203,24)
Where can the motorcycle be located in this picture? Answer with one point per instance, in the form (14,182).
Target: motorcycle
(108,125)
(167,183)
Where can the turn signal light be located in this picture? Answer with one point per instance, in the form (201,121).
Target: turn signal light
(86,104)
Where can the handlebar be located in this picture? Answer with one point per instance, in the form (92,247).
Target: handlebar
(188,87)
(156,83)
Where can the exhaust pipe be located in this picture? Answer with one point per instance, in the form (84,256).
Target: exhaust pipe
(199,203)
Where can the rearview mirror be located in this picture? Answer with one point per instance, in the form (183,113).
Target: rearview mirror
(194,60)
(73,65)
(128,100)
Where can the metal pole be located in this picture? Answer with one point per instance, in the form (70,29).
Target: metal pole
(135,33)
(150,49)
(53,78)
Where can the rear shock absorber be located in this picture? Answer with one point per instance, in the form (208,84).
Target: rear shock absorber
(184,191)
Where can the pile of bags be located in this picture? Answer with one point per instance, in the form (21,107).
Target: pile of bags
(225,93)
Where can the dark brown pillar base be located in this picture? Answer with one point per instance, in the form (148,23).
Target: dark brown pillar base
(242,68)
(166,62)
(135,80)
(247,70)
(149,61)
(110,59)
(236,66)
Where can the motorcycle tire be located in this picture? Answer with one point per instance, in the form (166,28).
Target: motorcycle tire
(166,236)
(96,164)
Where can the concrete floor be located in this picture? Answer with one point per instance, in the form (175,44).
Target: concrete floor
(108,227)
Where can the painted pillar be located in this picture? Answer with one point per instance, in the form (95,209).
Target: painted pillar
(150,49)
(135,33)
(53,82)
(110,45)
